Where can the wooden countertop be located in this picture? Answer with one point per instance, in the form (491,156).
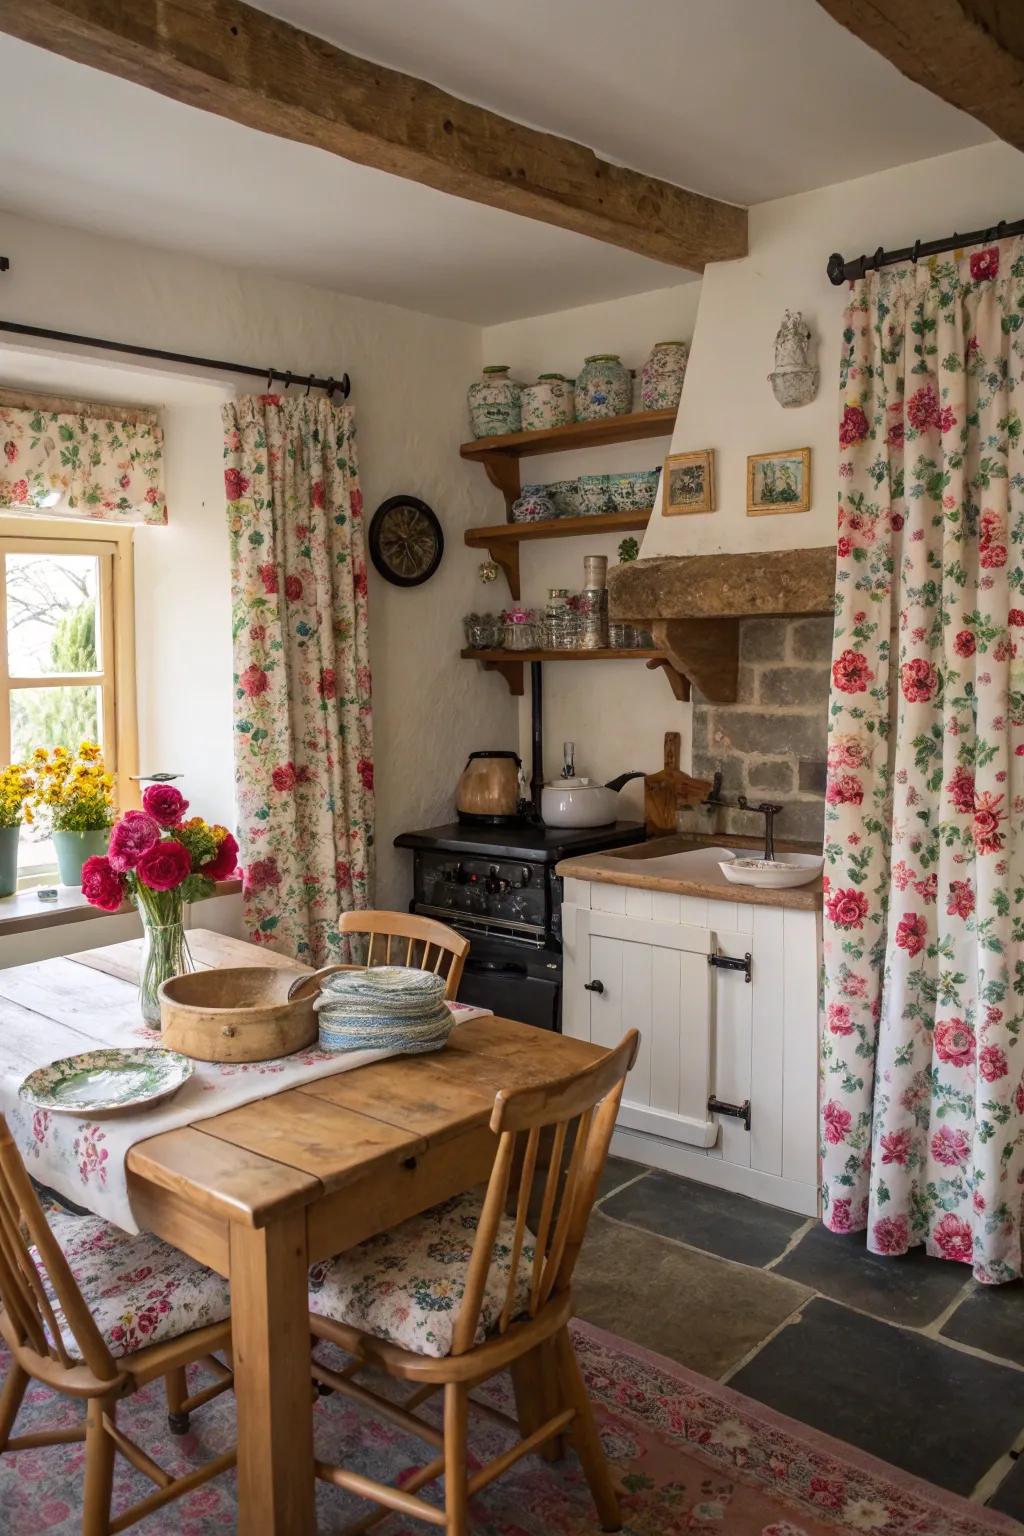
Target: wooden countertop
(639,866)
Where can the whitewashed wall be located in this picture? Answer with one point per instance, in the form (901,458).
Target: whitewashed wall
(616,712)
(410,373)
(727,401)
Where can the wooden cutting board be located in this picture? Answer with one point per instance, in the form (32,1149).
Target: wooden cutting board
(668,789)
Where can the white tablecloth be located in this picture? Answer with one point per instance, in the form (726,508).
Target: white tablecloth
(84,1160)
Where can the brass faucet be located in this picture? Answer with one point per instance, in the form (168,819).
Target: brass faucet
(765,808)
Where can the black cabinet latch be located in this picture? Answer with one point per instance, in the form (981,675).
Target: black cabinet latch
(738,1111)
(727,963)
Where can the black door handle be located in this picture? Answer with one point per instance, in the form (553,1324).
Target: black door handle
(593,986)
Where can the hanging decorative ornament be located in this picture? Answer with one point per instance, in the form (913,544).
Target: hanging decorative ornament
(795,379)
(488,571)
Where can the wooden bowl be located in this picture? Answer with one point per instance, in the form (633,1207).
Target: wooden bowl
(238,1013)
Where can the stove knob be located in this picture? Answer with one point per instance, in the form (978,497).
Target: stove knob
(459,874)
(527,874)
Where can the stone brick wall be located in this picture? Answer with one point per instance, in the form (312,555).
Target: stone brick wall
(770,744)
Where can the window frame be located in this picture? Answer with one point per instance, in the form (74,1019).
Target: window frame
(116,592)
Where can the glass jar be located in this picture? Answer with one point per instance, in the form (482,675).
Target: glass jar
(593,609)
(523,630)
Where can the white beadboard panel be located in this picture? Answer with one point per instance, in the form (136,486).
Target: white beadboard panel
(731,916)
(695,1038)
(637,963)
(667,907)
(575,958)
(673,936)
(638,903)
(731,1071)
(666,1057)
(769,959)
(801,939)
(576,891)
(706,1168)
(607,898)
(606,1027)
(694,911)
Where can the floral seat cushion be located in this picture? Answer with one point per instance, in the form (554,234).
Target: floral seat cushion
(407,1285)
(140,1290)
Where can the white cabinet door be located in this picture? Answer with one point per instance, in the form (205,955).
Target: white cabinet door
(627,973)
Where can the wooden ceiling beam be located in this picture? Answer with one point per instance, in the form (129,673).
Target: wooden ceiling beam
(231,59)
(968,52)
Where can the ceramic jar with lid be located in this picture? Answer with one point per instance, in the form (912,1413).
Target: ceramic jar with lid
(603,388)
(495,403)
(533,506)
(661,381)
(548,403)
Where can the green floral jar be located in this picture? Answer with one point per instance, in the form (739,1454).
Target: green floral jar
(495,404)
(603,388)
(548,403)
(9,837)
(72,850)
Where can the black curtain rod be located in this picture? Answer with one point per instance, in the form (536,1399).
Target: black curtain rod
(841,271)
(270,375)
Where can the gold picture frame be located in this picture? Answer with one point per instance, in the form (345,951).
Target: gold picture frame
(778,482)
(688,483)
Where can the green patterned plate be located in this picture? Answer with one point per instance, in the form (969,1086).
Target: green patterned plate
(107,1082)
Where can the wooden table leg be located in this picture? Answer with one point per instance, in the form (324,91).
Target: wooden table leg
(270,1326)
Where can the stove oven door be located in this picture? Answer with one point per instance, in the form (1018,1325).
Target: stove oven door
(515,982)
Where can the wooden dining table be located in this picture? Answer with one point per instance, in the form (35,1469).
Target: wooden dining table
(260,1192)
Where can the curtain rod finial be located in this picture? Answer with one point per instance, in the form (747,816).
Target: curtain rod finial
(5,263)
(836,269)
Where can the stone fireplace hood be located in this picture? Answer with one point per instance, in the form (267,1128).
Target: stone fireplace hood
(694,604)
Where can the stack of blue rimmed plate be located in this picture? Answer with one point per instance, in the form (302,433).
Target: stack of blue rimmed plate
(388,1007)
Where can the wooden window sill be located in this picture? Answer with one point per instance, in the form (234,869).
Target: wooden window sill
(25,913)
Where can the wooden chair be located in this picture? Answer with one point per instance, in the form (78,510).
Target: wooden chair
(422,938)
(516,1320)
(54,1338)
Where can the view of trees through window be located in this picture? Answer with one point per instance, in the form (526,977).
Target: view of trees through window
(52,614)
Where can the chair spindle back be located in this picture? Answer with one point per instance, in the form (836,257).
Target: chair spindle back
(26,1242)
(580,1114)
(405,938)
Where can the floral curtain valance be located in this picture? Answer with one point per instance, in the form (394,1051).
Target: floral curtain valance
(64,458)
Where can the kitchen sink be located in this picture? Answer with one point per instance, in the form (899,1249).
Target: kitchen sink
(687,861)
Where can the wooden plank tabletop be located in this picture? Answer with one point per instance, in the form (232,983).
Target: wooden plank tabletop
(261,1191)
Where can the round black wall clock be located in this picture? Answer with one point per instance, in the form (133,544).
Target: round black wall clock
(406,541)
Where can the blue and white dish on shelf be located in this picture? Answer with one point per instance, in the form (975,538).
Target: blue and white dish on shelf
(566,496)
(533,505)
(596,494)
(634,490)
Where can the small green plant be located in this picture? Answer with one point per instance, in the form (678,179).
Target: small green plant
(629,549)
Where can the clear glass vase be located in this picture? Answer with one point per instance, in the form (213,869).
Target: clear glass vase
(165,953)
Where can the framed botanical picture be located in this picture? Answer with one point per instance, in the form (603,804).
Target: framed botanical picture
(688,483)
(779,482)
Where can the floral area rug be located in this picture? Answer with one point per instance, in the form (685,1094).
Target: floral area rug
(690,1456)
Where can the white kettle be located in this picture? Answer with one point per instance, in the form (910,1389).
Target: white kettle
(572,801)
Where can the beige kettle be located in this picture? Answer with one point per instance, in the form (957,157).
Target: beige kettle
(488,788)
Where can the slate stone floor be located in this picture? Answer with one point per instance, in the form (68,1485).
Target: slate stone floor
(907,1358)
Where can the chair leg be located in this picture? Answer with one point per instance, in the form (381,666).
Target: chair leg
(584,1436)
(99,1468)
(176,1387)
(536,1398)
(456,1498)
(10,1400)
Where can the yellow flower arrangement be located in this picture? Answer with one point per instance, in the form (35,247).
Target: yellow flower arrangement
(16,785)
(74,791)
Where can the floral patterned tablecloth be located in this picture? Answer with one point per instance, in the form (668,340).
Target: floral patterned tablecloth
(84,1160)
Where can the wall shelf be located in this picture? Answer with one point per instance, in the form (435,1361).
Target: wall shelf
(500,455)
(502,540)
(510,664)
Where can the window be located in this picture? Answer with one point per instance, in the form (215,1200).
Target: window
(66,649)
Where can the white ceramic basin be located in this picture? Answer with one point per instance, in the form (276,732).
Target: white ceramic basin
(695,864)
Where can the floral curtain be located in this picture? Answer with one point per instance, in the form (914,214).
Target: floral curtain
(303,724)
(66,458)
(923,1056)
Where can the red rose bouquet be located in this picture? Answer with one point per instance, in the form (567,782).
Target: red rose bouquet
(157,860)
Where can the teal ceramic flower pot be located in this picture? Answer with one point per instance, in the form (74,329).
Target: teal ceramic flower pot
(9,860)
(73,848)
